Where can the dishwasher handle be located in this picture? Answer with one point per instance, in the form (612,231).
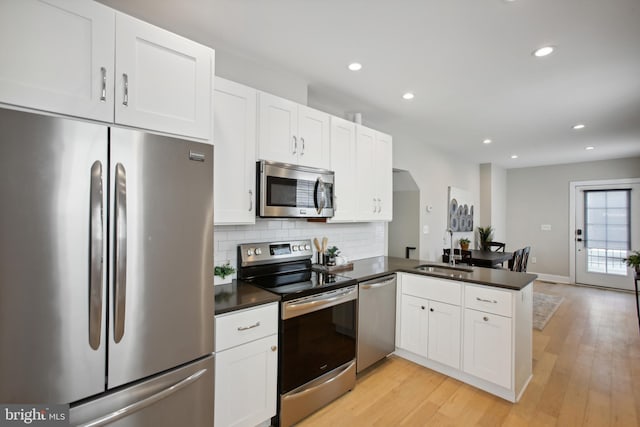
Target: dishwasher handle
(373,284)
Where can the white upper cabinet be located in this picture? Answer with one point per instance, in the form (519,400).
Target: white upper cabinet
(384,176)
(83,59)
(234,126)
(57,56)
(163,81)
(313,131)
(292,133)
(343,163)
(374,175)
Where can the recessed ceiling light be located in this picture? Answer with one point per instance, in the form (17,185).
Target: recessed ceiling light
(543,51)
(355,66)
(590,147)
(408,95)
(487,141)
(578,126)
(514,156)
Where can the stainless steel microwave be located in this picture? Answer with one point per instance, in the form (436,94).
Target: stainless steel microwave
(292,191)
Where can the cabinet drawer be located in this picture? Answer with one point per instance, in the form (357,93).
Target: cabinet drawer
(431,288)
(490,300)
(240,327)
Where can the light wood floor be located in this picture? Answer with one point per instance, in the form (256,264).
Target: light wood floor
(586,371)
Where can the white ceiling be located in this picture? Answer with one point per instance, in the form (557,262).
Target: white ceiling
(468,62)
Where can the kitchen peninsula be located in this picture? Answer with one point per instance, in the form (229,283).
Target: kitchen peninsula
(475,326)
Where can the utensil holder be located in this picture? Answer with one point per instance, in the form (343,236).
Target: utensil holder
(321,258)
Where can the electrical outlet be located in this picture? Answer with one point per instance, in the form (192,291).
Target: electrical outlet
(533,260)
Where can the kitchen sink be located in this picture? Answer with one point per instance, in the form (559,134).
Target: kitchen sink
(443,269)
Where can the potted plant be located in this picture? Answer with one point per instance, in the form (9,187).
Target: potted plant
(222,274)
(331,255)
(633,260)
(464,243)
(485,235)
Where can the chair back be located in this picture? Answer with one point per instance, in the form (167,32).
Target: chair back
(515,263)
(465,256)
(496,246)
(525,259)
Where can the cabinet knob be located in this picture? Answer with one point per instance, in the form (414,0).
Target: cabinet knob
(422,307)
(274,348)
(431,310)
(485,318)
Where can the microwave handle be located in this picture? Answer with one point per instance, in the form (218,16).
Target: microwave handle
(320,195)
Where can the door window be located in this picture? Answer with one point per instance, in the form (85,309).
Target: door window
(607,230)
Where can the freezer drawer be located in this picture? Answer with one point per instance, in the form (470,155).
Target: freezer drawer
(376,320)
(182,397)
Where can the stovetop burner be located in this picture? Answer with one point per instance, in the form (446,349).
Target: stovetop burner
(284,268)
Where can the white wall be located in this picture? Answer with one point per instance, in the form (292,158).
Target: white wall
(355,240)
(493,200)
(540,195)
(433,172)
(256,75)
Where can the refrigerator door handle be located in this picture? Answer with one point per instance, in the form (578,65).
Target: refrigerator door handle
(96,259)
(120,252)
(141,404)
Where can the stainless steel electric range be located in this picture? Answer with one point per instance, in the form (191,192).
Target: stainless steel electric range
(317,357)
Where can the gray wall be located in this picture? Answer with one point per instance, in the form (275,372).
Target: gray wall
(540,195)
(404,229)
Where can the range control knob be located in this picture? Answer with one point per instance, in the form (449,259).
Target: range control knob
(294,248)
(307,247)
(258,251)
(250,251)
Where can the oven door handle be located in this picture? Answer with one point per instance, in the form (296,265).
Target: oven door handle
(294,308)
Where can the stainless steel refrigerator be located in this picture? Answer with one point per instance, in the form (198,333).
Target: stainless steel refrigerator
(106,272)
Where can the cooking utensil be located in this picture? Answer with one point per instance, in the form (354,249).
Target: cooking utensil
(325,241)
(316,244)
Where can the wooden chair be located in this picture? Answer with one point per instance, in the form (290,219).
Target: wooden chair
(515,263)
(465,256)
(496,246)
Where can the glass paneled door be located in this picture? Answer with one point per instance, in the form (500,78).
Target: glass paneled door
(606,231)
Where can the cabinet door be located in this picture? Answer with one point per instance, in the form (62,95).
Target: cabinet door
(163,81)
(444,333)
(414,325)
(277,128)
(246,380)
(487,347)
(313,134)
(57,56)
(234,130)
(366,170)
(384,176)
(343,163)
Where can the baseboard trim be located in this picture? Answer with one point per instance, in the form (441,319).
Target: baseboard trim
(553,278)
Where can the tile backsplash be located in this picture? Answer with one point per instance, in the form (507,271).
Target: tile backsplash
(355,240)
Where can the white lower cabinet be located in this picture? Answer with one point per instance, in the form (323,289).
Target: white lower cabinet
(415,321)
(444,334)
(246,366)
(478,334)
(487,346)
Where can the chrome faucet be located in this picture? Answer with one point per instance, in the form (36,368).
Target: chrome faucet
(452,261)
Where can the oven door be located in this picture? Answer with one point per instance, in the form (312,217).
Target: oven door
(318,336)
(294,191)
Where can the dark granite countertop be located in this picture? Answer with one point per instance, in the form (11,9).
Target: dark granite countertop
(239,294)
(371,268)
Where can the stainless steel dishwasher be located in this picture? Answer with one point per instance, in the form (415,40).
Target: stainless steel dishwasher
(376,320)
